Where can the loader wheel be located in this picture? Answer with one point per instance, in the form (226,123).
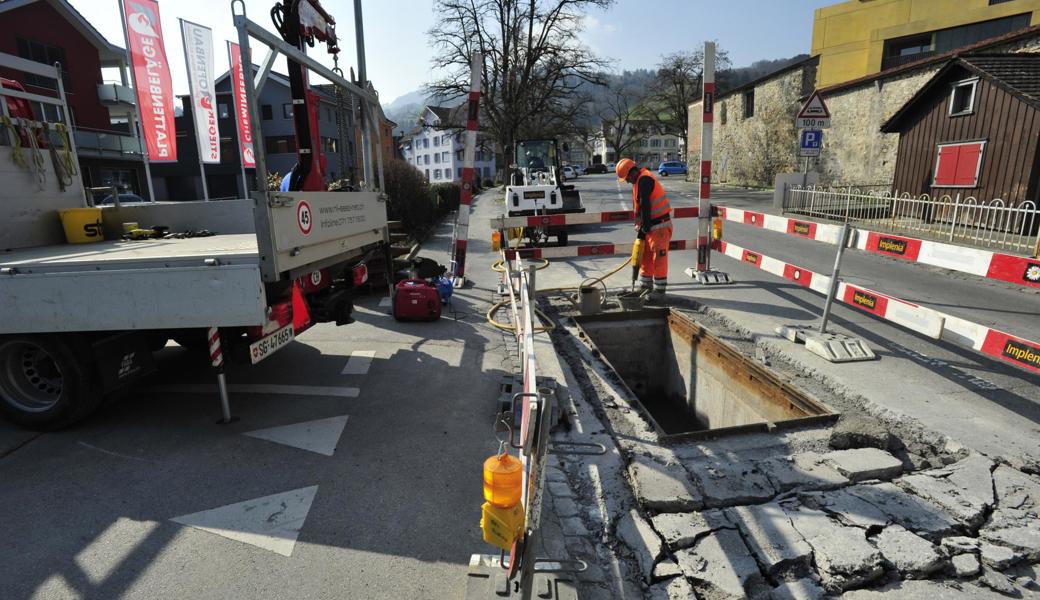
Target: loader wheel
(43,383)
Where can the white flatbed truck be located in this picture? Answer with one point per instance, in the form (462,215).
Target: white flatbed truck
(80,321)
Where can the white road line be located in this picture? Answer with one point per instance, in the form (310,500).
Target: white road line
(359,362)
(261,388)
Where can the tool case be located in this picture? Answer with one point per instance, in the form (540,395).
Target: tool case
(416,300)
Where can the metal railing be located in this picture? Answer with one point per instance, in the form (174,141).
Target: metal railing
(993,224)
(106,143)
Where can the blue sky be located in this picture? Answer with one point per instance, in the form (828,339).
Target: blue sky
(631,34)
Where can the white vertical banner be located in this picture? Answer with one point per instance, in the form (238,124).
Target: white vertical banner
(198,54)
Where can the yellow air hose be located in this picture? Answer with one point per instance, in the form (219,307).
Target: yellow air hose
(499,267)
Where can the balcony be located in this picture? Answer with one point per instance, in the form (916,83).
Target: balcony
(115,94)
(95,143)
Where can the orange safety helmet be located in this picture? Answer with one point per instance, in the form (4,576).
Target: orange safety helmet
(623,167)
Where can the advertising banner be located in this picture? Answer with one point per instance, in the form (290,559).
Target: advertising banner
(238,86)
(152,79)
(198,54)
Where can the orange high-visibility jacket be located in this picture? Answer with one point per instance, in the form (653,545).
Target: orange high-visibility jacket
(659,205)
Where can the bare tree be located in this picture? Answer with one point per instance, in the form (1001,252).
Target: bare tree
(678,83)
(618,116)
(534,64)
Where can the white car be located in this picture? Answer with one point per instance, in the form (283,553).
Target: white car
(569,173)
(579,169)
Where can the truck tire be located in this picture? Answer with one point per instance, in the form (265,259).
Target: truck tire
(44,384)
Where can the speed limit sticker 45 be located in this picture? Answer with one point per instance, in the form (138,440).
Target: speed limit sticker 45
(304,218)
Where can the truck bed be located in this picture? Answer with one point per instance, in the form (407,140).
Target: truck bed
(238,248)
(120,285)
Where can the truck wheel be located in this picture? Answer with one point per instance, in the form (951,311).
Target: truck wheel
(43,385)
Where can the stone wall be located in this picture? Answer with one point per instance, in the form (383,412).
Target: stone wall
(751,151)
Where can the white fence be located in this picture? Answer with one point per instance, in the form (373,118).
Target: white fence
(994,224)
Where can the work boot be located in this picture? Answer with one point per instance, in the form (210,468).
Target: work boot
(656,298)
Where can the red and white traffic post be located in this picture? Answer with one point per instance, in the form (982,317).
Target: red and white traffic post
(703,273)
(216,357)
(458,259)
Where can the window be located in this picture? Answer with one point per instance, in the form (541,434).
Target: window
(446,156)
(655,143)
(436,140)
(437,158)
(962,97)
(669,143)
(427,174)
(266,113)
(436,173)
(992,2)
(287,111)
(447,174)
(426,143)
(280,144)
(460,173)
(46,54)
(222,110)
(644,142)
(958,165)
(749,104)
(426,160)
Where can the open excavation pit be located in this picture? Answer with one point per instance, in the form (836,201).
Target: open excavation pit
(690,383)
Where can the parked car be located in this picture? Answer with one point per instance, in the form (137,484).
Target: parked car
(611,166)
(672,167)
(579,169)
(597,168)
(568,172)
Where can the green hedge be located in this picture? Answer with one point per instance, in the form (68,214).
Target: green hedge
(417,204)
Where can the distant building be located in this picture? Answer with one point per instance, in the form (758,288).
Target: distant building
(436,146)
(857,38)
(50,31)
(652,147)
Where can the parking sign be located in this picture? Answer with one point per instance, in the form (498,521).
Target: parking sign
(811,141)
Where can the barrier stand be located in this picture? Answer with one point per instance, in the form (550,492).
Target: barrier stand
(835,347)
(704,274)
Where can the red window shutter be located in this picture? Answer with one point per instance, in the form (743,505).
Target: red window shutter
(946,169)
(968,165)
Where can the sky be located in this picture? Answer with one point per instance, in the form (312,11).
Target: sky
(631,34)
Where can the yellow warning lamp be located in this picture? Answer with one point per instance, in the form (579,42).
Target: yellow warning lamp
(716,229)
(496,241)
(502,515)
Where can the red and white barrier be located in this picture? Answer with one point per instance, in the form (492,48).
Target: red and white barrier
(468,159)
(932,323)
(983,263)
(707,122)
(616,216)
(590,250)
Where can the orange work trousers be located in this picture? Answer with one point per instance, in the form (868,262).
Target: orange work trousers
(653,271)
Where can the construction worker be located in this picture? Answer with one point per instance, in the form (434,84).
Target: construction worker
(653,223)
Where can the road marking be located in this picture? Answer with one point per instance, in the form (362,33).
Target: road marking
(260,388)
(271,522)
(321,436)
(359,362)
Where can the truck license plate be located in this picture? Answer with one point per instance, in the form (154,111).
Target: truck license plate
(269,344)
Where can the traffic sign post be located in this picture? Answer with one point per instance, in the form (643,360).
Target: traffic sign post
(814,114)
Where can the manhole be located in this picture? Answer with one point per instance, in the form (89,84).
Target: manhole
(692,384)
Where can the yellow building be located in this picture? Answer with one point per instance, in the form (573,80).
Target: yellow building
(862,37)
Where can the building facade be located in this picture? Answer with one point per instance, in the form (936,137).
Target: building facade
(972,131)
(652,145)
(49,31)
(437,145)
(857,38)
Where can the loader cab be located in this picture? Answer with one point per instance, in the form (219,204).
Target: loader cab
(537,163)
